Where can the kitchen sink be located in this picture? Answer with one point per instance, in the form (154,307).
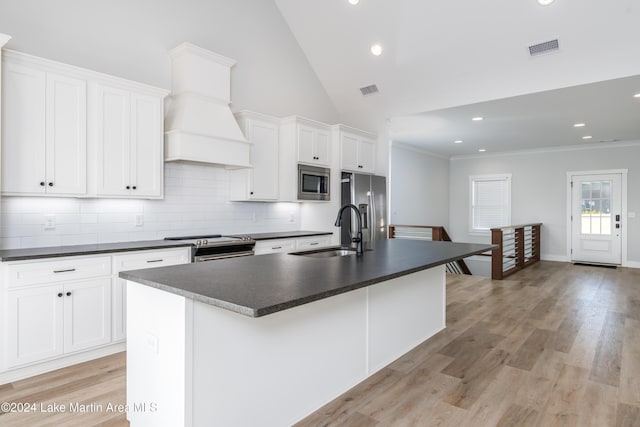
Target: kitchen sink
(327,252)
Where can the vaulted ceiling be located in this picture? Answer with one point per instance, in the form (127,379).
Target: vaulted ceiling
(443,62)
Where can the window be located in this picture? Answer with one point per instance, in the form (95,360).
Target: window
(490,202)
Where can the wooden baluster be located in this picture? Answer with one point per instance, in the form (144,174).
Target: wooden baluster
(496,254)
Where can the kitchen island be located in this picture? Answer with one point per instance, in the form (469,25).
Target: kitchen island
(266,340)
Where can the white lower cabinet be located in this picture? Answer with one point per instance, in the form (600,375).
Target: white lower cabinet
(291,244)
(61,311)
(135,261)
(58,314)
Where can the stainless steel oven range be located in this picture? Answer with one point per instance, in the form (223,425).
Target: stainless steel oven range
(214,246)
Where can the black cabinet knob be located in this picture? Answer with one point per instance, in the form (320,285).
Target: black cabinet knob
(59,294)
(251,193)
(128,187)
(51,184)
(41,183)
(134,187)
(68,294)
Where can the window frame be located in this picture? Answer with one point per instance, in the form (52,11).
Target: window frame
(487,177)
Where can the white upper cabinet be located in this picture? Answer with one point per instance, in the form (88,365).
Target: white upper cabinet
(129,143)
(74,132)
(314,145)
(357,149)
(44,137)
(262,181)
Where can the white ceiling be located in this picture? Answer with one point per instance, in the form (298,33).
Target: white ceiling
(444,62)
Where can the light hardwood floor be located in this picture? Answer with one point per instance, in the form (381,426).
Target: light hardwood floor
(554,345)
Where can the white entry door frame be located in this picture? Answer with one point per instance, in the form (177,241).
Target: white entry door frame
(623,213)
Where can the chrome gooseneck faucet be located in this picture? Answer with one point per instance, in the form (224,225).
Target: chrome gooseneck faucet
(358,238)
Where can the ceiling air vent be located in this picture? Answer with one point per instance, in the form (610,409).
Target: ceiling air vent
(545,47)
(369,90)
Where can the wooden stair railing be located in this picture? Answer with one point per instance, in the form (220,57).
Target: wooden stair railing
(428,232)
(518,247)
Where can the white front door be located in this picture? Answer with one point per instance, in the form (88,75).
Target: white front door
(596,234)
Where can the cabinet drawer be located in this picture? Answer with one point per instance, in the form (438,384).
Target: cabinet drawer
(66,269)
(274,246)
(309,243)
(151,259)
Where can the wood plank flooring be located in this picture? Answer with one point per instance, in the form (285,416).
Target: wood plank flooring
(553,345)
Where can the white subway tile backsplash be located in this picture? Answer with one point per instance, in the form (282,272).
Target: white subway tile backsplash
(195,202)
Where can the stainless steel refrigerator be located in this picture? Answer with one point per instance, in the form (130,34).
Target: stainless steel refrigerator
(369,194)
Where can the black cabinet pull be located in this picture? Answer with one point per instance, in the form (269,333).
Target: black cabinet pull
(68,294)
(64,271)
(155,260)
(59,294)
(51,184)
(41,183)
(277,247)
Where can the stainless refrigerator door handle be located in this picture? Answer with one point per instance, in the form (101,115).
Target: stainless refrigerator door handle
(372,220)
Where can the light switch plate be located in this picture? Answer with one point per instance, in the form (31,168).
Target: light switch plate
(139,220)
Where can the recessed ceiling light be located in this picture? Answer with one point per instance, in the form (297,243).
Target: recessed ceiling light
(578,125)
(637,95)
(376,49)
(354,2)
(482,150)
(457,141)
(587,137)
(477,119)
(545,2)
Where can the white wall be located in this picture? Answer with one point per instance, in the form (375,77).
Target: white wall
(131,39)
(419,186)
(538,190)
(195,202)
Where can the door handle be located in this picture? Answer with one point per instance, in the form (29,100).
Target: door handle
(618,217)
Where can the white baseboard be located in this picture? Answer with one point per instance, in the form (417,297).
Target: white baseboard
(631,264)
(17,374)
(556,258)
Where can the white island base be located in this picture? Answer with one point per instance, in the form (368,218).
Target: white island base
(194,364)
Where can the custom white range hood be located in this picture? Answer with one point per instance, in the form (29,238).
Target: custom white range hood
(199,124)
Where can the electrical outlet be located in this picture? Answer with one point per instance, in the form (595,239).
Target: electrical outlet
(139,220)
(631,214)
(292,217)
(49,222)
(153,343)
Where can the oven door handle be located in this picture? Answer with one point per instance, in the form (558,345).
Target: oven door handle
(222,256)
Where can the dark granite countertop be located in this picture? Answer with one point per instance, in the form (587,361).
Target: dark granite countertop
(260,285)
(282,234)
(62,251)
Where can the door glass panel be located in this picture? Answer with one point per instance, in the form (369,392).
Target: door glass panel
(596,208)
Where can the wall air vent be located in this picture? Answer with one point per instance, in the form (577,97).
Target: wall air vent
(369,90)
(545,47)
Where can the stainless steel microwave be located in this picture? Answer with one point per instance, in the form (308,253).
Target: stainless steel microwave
(313,182)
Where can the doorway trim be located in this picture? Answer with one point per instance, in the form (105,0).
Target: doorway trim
(623,217)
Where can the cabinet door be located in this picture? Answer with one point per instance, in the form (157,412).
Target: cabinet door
(23,130)
(34,324)
(87,314)
(146,149)
(322,147)
(305,144)
(66,135)
(349,151)
(264,179)
(366,155)
(113,145)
